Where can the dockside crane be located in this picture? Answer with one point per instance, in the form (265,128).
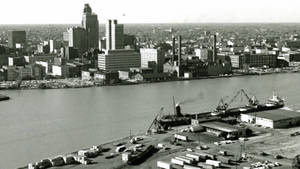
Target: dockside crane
(155,123)
(222,106)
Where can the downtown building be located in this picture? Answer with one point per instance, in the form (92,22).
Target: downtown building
(120,59)
(116,57)
(152,58)
(91,25)
(85,37)
(16,39)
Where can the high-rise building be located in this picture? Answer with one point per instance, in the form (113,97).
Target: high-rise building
(152,58)
(91,25)
(117,35)
(53,46)
(16,39)
(114,35)
(78,39)
(108,34)
(114,60)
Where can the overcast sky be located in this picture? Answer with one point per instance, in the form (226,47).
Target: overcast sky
(150,11)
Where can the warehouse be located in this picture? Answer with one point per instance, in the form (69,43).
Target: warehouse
(224,130)
(279,118)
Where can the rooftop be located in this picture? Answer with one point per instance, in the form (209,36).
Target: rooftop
(277,115)
(221,126)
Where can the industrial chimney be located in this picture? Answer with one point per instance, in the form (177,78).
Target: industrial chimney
(179,50)
(215,48)
(173,48)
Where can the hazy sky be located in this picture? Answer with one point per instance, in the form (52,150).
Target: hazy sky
(150,11)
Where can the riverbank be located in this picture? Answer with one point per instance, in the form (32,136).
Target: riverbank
(78,83)
(109,158)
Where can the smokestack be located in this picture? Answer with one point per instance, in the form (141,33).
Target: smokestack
(215,48)
(178,110)
(179,50)
(173,48)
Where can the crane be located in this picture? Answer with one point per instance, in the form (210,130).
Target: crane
(222,106)
(155,123)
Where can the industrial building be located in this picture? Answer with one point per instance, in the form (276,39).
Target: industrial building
(224,130)
(253,60)
(278,118)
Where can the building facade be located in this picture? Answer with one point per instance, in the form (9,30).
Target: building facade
(91,24)
(78,39)
(114,60)
(273,119)
(152,58)
(114,35)
(16,39)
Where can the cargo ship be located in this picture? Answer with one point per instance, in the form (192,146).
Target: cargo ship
(3,97)
(222,110)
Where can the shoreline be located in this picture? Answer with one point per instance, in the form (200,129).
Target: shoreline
(73,83)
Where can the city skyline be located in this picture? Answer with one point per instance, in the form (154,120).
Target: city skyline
(134,11)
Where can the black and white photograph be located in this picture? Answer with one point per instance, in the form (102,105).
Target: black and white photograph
(150,84)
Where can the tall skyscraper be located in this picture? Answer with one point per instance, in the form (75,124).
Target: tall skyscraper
(108,34)
(114,35)
(16,39)
(91,25)
(117,35)
(78,39)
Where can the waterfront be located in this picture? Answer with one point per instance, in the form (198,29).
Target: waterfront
(42,123)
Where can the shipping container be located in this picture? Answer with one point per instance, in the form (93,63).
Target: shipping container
(177,161)
(191,167)
(184,160)
(164,165)
(213,162)
(205,166)
(195,157)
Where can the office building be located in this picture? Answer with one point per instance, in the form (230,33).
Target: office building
(152,58)
(114,35)
(53,45)
(69,53)
(108,34)
(16,39)
(114,60)
(129,41)
(91,25)
(16,61)
(78,39)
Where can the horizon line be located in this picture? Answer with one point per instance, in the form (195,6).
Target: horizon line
(103,23)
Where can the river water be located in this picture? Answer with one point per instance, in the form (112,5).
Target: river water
(37,124)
